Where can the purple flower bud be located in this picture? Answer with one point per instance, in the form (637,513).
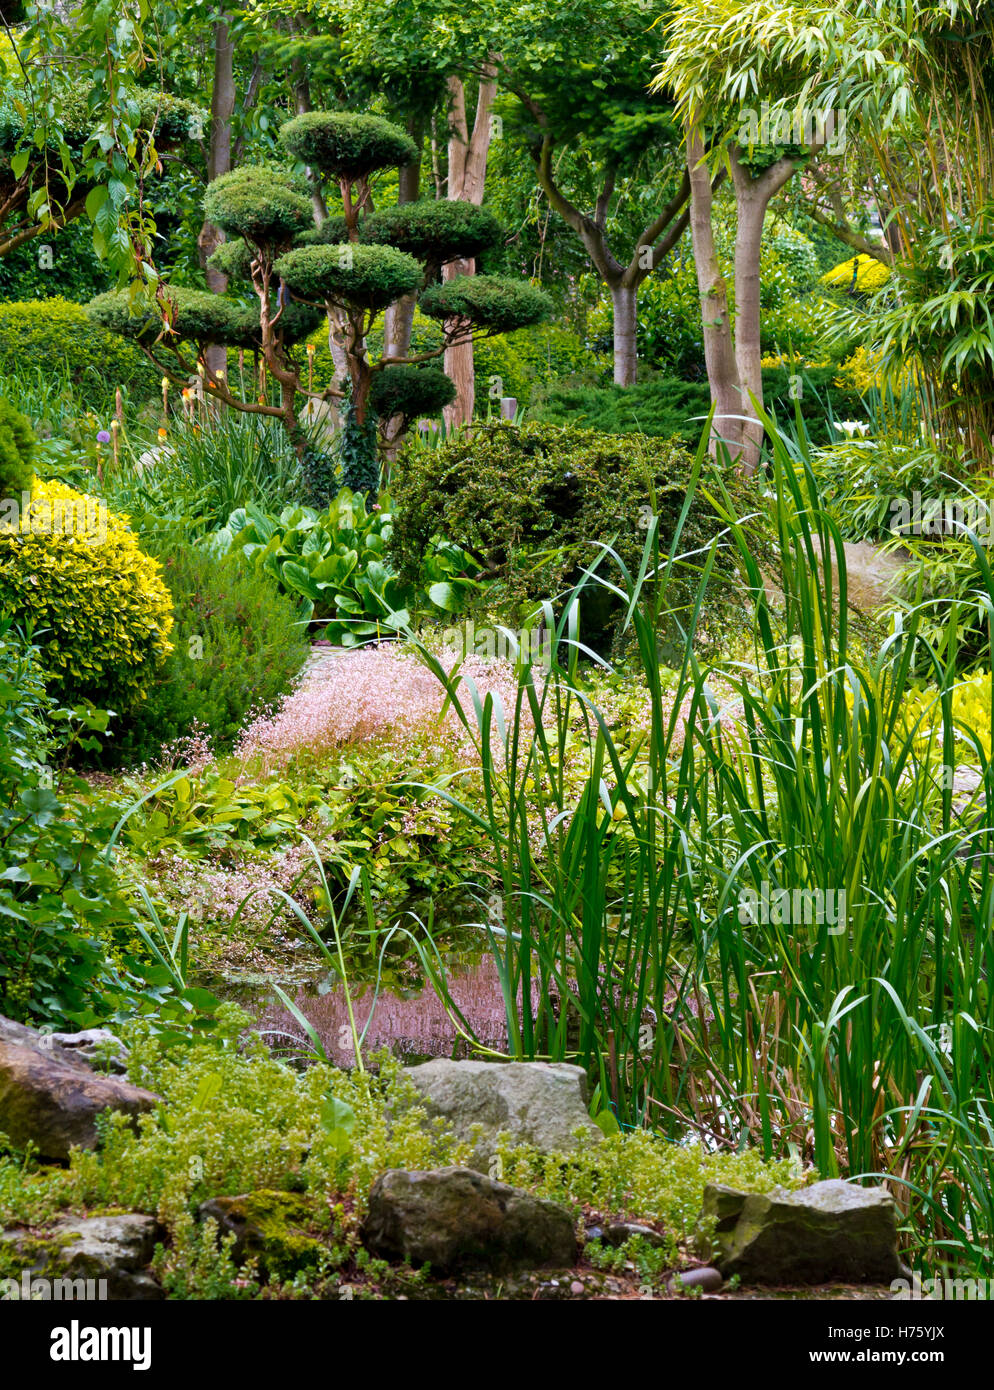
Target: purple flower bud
(103,436)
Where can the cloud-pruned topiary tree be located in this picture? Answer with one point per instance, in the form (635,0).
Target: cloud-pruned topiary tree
(351,268)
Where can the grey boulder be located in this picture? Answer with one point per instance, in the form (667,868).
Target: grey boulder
(831,1230)
(537,1103)
(456,1220)
(96,1256)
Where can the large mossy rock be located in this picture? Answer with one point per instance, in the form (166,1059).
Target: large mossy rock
(831,1230)
(111,1251)
(536,1103)
(50,1098)
(457,1220)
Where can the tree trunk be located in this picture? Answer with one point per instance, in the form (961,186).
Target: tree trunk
(719,352)
(751,211)
(467,179)
(218,162)
(752,198)
(399,317)
(624,311)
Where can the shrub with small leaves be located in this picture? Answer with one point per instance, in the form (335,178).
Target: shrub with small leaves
(493,302)
(370,277)
(17,444)
(345,145)
(259,204)
(434,232)
(102,612)
(57,336)
(411,391)
(237,644)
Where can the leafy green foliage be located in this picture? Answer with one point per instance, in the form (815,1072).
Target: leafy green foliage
(73,946)
(434,232)
(492,302)
(865,482)
(233,258)
(17,443)
(75,273)
(237,644)
(357,450)
(532,504)
(273,1131)
(202,473)
(670,407)
(335,561)
(58,898)
(193,315)
(346,145)
(660,407)
(370,277)
(61,337)
(411,391)
(259,204)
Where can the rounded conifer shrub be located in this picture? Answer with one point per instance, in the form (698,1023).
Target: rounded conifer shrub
(98,604)
(493,302)
(259,204)
(411,391)
(17,444)
(346,145)
(434,232)
(370,277)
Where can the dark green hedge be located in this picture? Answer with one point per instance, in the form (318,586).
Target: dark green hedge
(54,335)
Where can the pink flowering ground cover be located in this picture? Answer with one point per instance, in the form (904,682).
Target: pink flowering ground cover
(377,692)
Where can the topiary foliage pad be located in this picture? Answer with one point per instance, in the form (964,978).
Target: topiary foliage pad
(193,315)
(494,302)
(411,391)
(434,232)
(368,277)
(259,204)
(347,146)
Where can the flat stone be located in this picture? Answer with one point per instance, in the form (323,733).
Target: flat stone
(832,1230)
(536,1103)
(97,1047)
(111,1251)
(455,1220)
(52,1102)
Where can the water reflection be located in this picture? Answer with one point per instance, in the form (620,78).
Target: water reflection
(414,1025)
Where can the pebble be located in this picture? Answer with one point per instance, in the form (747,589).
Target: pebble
(706,1278)
(576,1287)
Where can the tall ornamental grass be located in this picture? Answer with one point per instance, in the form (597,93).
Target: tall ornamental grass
(768,925)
